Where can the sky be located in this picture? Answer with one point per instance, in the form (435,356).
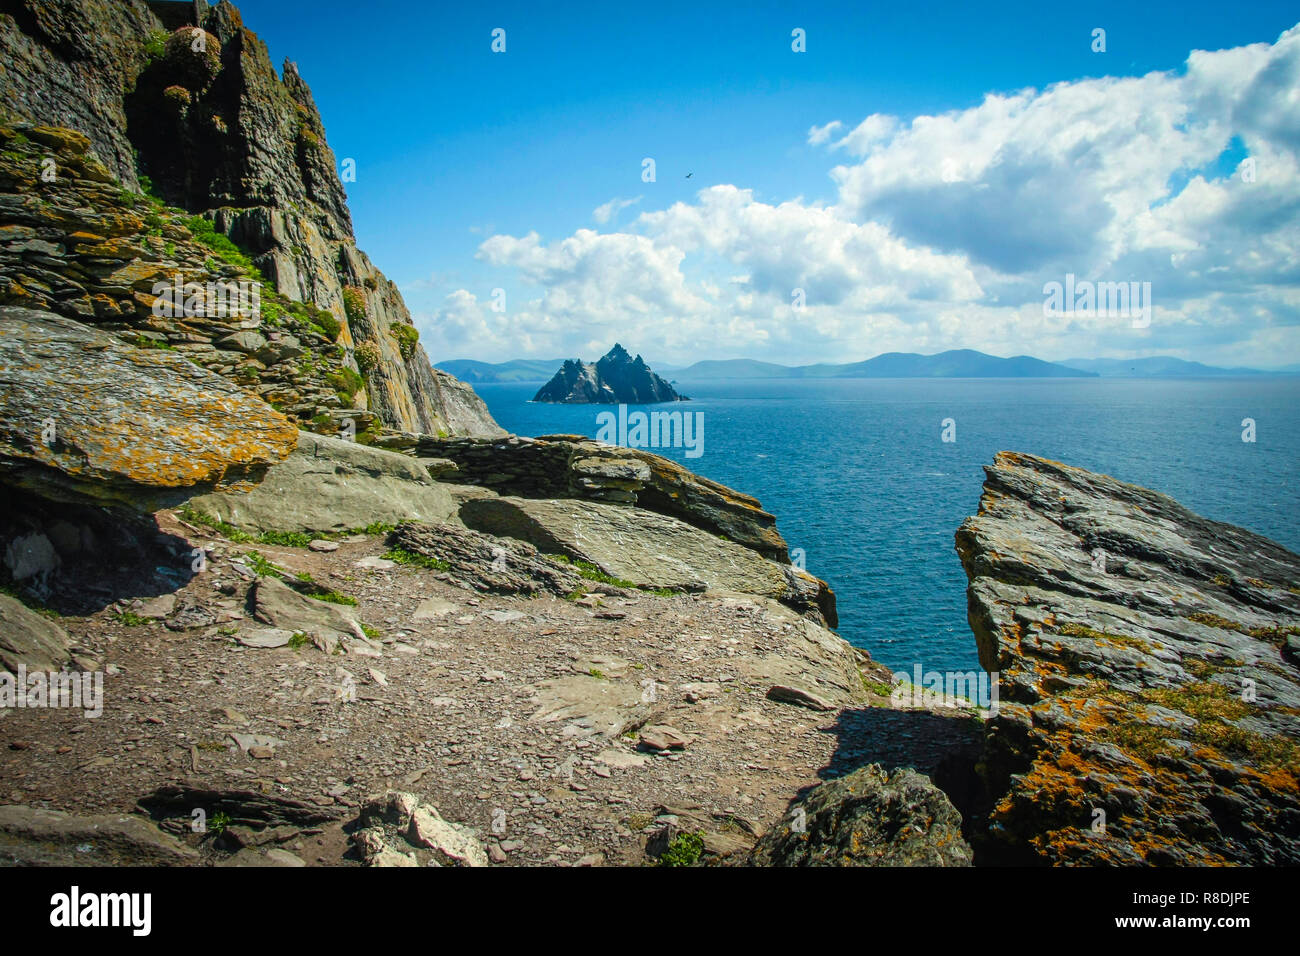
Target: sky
(913,179)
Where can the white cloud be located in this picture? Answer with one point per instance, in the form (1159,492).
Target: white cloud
(945,227)
(607,211)
(820,134)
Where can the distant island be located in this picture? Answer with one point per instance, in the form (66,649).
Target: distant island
(615,379)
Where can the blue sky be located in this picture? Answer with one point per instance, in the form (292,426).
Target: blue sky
(456,145)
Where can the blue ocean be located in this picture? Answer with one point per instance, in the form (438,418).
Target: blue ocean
(858,477)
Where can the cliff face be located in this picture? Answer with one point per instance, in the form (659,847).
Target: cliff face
(219,134)
(1150,695)
(615,378)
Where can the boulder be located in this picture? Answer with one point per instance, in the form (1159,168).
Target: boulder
(87,418)
(1148,713)
(868,818)
(29,639)
(329,484)
(284,609)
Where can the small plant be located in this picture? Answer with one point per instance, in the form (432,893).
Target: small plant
(219,822)
(177,96)
(262,567)
(413,559)
(192,56)
(354,303)
(370,632)
(298,640)
(368,357)
(346,383)
(288,539)
(598,674)
(407,336)
(333,597)
(132,620)
(685,849)
(377,528)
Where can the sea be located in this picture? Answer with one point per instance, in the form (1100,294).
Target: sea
(860,478)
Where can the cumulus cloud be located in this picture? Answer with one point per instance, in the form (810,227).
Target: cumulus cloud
(944,229)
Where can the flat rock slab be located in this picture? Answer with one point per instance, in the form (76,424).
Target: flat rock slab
(433,608)
(589,706)
(330,485)
(643,547)
(265,637)
(137,427)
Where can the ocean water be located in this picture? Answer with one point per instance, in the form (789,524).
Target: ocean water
(858,477)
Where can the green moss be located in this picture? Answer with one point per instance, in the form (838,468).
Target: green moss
(131,620)
(1214,620)
(1104,637)
(206,234)
(1276,634)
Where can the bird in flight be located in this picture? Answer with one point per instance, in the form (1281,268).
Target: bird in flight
(689,175)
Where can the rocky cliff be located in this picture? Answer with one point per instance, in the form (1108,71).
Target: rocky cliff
(1150,694)
(615,378)
(166,145)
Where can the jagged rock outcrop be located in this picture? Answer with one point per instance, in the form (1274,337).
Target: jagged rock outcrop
(330,485)
(217,133)
(573,466)
(85,417)
(1150,705)
(615,378)
(868,818)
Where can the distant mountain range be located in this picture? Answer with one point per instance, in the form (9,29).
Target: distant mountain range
(1160,366)
(958,363)
(519,370)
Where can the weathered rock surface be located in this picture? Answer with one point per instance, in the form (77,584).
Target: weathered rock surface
(329,484)
(31,836)
(646,548)
(86,417)
(868,818)
(615,378)
(1148,711)
(487,563)
(27,638)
